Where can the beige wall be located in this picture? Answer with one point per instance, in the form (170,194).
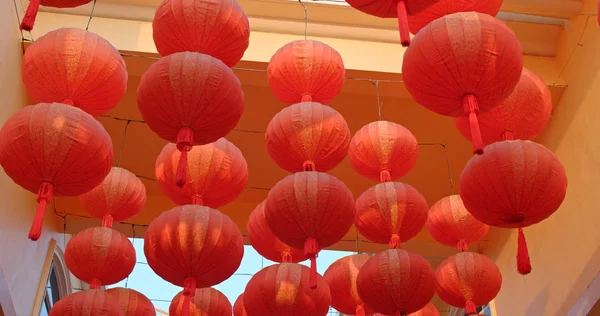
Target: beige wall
(21,259)
(564,249)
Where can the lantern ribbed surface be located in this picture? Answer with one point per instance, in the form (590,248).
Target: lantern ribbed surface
(206,302)
(54,149)
(284,290)
(120,196)
(75,67)
(341,278)
(132,303)
(444,7)
(238,306)
(86,303)
(216,175)
(100,256)
(218,28)
(308,136)
(306,70)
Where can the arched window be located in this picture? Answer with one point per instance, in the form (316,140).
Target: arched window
(56,284)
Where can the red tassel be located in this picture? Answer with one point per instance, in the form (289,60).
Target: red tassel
(308,166)
(508,135)
(471,109)
(286,257)
(30,14)
(523,262)
(311,248)
(185,311)
(360,311)
(470,308)
(189,290)
(107,220)
(95,284)
(185,141)
(462,245)
(44,197)
(306,98)
(385,176)
(197,200)
(395,242)
(403,23)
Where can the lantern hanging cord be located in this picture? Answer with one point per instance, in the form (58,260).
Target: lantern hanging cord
(133,244)
(91,15)
(376,84)
(305,19)
(357,241)
(578,44)
(18,19)
(450,178)
(123,143)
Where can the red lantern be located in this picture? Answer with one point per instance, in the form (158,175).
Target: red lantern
(119,197)
(54,149)
(100,256)
(75,67)
(132,303)
(32,9)
(310,211)
(217,174)
(85,303)
(428,310)
(218,28)
(307,136)
(522,115)
(390,212)
(468,280)
(400,9)
(238,306)
(450,224)
(461,64)
(190,112)
(304,71)
(341,278)
(444,7)
(193,246)
(383,151)
(266,243)
(514,185)
(206,302)
(396,281)
(284,290)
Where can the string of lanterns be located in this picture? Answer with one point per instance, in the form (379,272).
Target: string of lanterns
(191,98)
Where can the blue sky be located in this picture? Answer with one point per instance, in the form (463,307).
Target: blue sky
(161,292)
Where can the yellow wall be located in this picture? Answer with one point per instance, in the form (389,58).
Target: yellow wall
(564,249)
(21,260)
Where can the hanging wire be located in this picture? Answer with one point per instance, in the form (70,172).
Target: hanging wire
(379,104)
(91,16)
(579,43)
(305,19)
(133,244)
(450,178)
(123,143)
(357,241)
(18,19)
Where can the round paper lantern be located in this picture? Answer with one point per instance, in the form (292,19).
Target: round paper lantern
(461,70)
(450,224)
(310,210)
(100,256)
(238,306)
(206,302)
(132,303)
(218,28)
(428,310)
(383,151)
(190,112)
(33,7)
(216,175)
(306,70)
(444,7)
(307,136)
(523,115)
(54,149)
(119,197)
(390,212)
(341,278)
(75,67)
(193,246)
(396,281)
(467,280)
(514,185)
(400,9)
(89,302)
(266,243)
(284,290)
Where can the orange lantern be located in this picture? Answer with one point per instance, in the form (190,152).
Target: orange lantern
(132,303)
(450,224)
(100,256)
(310,210)
(306,70)
(468,280)
(266,243)
(75,67)
(119,197)
(383,151)
(238,306)
(284,290)
(216,175)
(307,136)
(190,112)
(206,302)
(390,212)
(341,278)
(86,303)
(54,149)
(218,28)
(444,7)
